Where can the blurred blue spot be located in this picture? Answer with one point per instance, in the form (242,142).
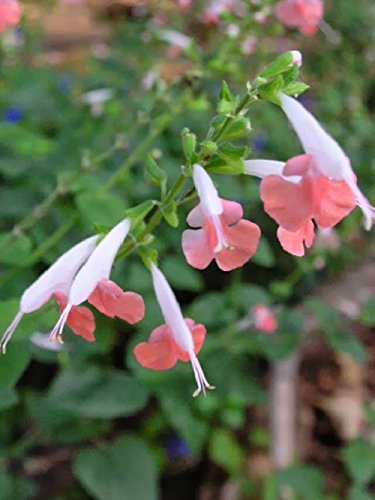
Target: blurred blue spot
(12,115)
(65,83)
(259,142)
(177,448)
(307,101)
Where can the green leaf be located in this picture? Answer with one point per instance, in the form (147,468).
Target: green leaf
(295,88)
(122,469)
(225,92)
(305,481)
(348,343)
(271,91)
(139,212)
(370,413)
(182,276)
(279,65)
(8,398)
(225,451)
(18,253)
(100,207)
(367,317)
(14,363)
(170,214)
(12,488)
(239,127)
(359,458)
(98,393)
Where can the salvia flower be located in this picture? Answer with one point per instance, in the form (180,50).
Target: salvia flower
(56,282)
(10,14)
(318,186)
(222,234)
(179,339)
(302,14)
(264,319)
(92,284)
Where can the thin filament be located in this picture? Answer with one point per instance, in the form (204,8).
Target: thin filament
(56,333)
(9,332)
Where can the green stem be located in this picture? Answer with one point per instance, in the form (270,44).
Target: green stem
(157,216)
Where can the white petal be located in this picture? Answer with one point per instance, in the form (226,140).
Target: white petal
(262,168)
(331,159)
(171,311)
(99,264)
(210,201)
(58,277)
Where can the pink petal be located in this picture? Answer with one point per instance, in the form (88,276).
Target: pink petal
(334,199)
(196,217)
(112,301)
(82,322)
(289,204)
(10,14)
(287,13)
(159,353)
(80,319)
(243,240)
(232,212)
(293,242)
(196,248)
(299,165)
(199,334)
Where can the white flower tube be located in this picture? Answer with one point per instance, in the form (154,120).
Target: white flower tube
(97,267)
(57,278)
(175,320)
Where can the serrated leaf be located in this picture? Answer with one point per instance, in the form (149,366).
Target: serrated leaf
(140,211)
(305,481)
(8,397)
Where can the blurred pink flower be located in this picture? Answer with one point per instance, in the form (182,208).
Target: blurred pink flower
(302,14)
(221,232)
(264,320)
(10,14)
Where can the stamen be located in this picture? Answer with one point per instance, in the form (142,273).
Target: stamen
(56,333)
(222,242)
(9,332)
(199,376)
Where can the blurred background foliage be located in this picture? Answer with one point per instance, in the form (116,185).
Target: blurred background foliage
(89,422)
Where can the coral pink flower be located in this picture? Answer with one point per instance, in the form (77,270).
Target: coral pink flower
(264,320)
(319,185)
(302,14)
(178,339)
(224,235)
(91,283)
(55,281)
(10,14)
(161,352)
